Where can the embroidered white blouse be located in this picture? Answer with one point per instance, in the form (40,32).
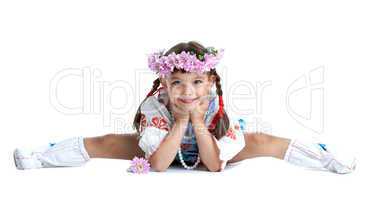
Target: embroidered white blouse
(156,121)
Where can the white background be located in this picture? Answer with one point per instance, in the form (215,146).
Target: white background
(277,42)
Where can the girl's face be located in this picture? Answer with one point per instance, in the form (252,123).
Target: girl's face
(185,90)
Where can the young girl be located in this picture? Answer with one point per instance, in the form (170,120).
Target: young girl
(182,120)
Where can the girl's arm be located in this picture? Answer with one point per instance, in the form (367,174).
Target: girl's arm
(208,150)
(167,150)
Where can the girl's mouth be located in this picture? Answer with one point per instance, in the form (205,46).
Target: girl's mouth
(187,101)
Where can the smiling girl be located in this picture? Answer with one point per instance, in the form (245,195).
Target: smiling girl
(182,120)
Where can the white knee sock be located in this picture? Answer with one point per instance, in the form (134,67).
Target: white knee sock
(67,153)
(310,154)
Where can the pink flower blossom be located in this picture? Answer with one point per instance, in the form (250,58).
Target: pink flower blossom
(139,166)
(164,65)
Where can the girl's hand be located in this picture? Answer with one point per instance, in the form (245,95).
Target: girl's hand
(197,114)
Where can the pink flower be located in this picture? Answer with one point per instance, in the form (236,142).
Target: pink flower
(139,166)
(164,65)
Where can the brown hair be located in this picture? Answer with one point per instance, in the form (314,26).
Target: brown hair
(222,123)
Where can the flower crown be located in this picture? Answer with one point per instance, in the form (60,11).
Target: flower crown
(189,61)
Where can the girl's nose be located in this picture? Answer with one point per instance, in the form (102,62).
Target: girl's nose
(188,90)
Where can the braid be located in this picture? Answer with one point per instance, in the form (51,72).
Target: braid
(155,85)
(137,117)
(218,84)
(220,123)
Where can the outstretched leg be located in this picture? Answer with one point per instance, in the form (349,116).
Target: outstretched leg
(76,151)
(308,154)
(116,146)
(261,144)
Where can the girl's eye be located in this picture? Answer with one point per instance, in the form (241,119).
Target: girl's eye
(175,82)
(198,81)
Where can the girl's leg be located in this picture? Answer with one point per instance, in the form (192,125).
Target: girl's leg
(116,146)
(309,154)
(77,151)
(260,144)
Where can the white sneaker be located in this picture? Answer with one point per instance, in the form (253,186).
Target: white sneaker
(337,161)
(67,153)
(27,159)
(318,156)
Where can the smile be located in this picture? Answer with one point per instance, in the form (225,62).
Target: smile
(187,101)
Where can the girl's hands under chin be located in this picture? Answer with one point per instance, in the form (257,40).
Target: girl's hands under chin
(198,112)
(195,112)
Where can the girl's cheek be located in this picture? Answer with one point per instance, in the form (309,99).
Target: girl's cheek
(172,95)
(173,99)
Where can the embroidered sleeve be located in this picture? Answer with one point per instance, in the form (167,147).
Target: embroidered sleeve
(232,143)
(151,140)
(154,126)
